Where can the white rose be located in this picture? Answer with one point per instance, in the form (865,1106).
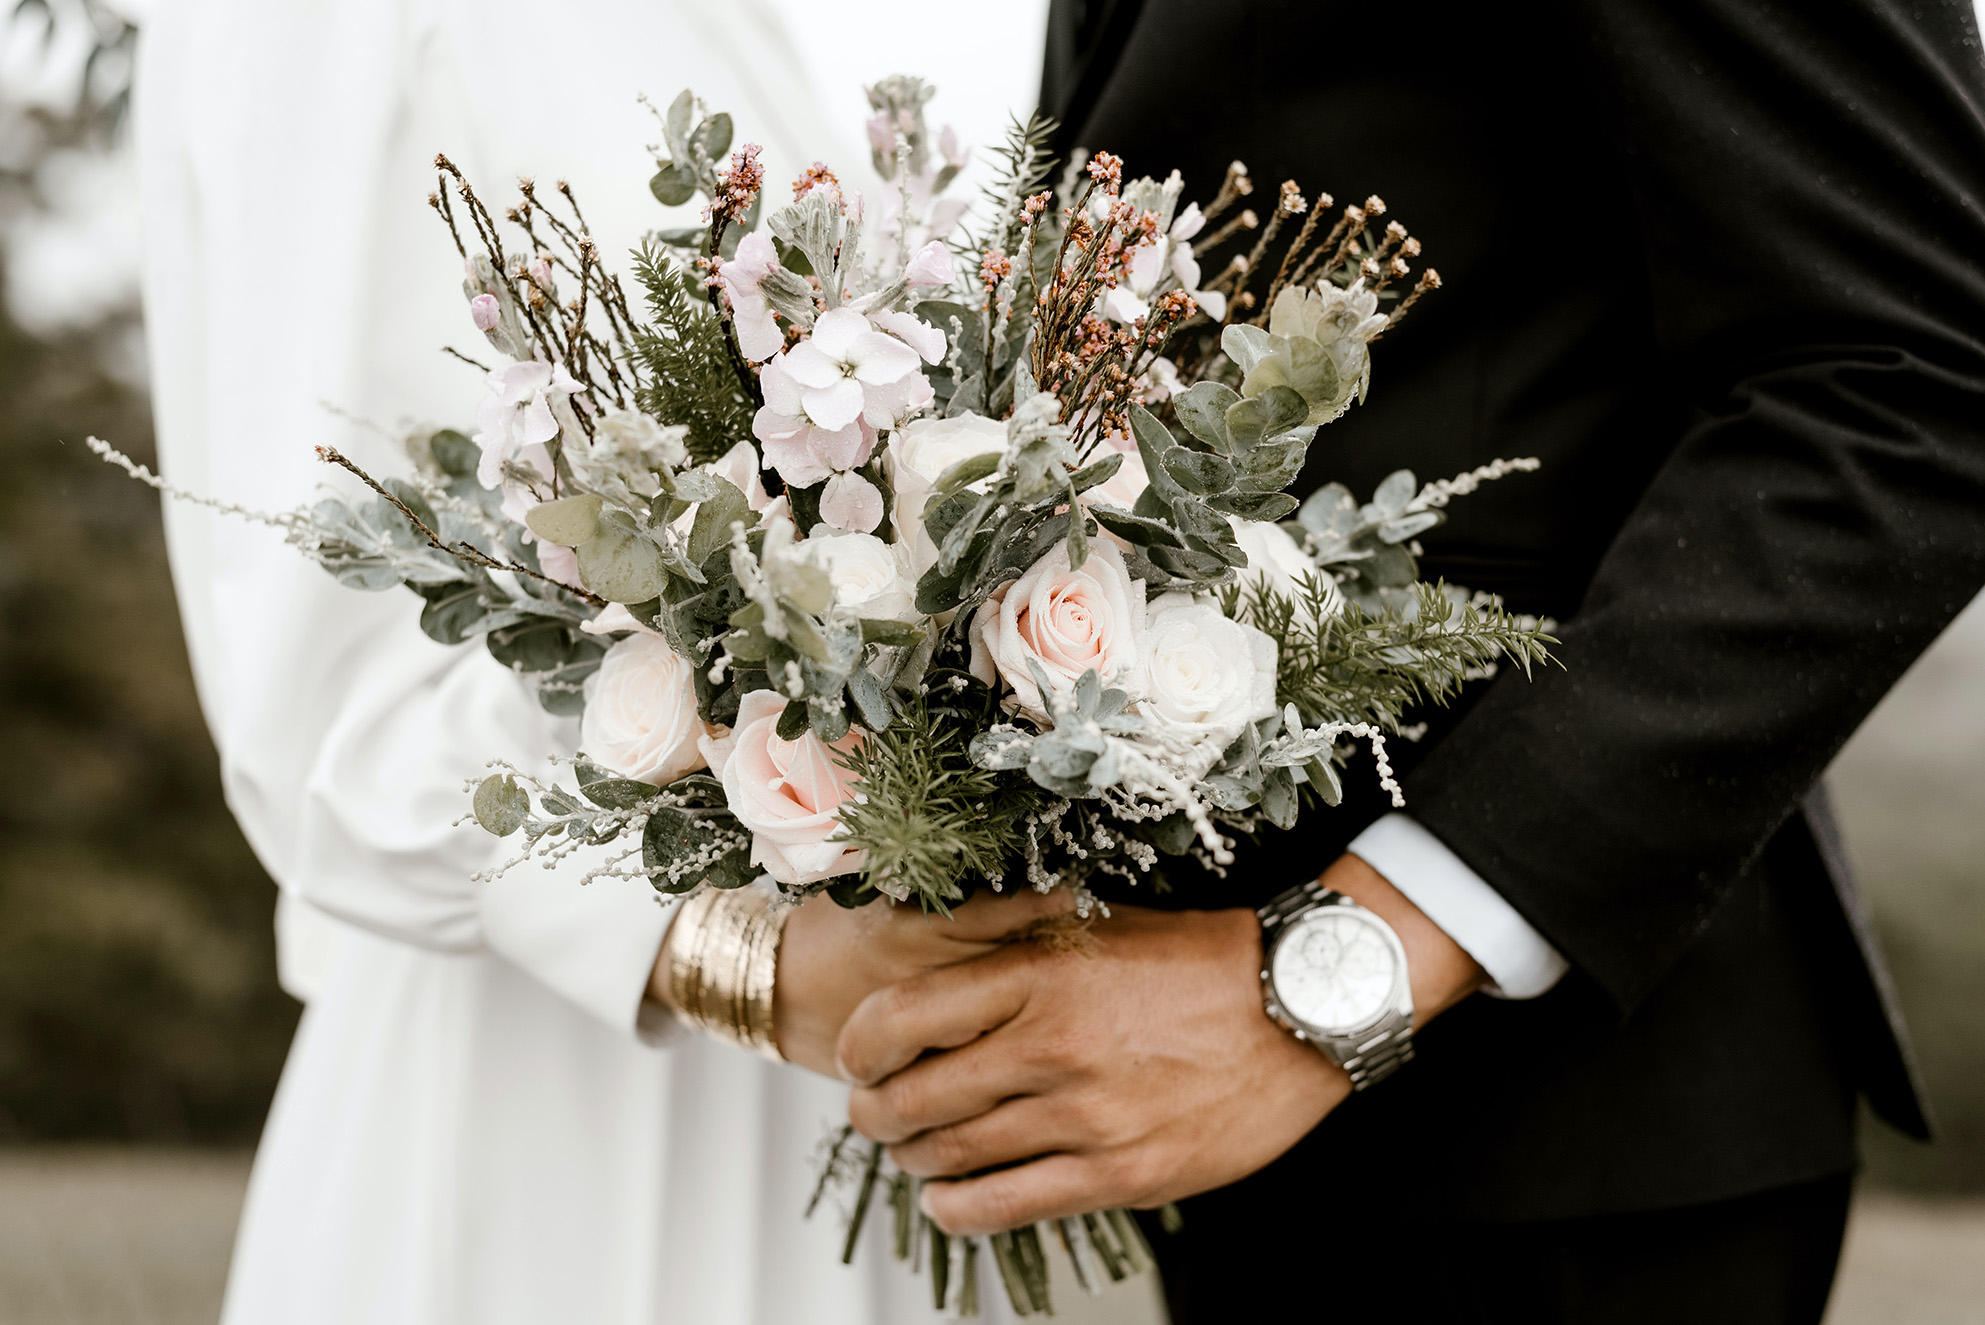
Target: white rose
(1068,621)
(739,465)
(785,792)
(1272,554)
(640,719)
(919,453)
(871,578)
(1277,560)
(1203,674)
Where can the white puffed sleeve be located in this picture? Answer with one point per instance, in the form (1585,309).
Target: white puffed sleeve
(294,270)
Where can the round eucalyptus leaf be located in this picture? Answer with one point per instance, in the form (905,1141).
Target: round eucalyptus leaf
(672,185)
(501,805)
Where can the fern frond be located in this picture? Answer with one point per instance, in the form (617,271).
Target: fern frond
(686,364)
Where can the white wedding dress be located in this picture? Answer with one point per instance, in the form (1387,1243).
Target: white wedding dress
(478,1123)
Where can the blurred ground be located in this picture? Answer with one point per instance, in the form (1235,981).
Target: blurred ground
(1910,791)
(141,1237)
(138,1237)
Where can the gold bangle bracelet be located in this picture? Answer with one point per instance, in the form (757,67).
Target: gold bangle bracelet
(724,964)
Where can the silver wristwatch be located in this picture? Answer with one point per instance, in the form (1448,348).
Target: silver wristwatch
(1334,975)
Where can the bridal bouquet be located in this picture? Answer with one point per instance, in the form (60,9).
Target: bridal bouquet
(892,549)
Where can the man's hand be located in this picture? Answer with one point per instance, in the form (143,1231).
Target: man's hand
(1134,1074)
(831,958)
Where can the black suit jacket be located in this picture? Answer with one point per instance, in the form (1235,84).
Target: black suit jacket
(1721,265)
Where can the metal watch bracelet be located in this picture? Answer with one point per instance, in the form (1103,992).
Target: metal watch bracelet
(1367,1059)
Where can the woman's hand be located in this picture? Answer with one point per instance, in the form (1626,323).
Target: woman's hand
(831,958)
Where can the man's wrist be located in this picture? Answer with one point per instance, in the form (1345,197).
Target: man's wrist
(1439,971)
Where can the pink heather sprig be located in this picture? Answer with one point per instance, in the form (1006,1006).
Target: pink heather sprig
(817,176)
(738,185)
(1107,171)
(1030,211)
(994,268)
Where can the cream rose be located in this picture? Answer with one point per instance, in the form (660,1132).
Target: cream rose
(919,453)
(1277,560)
(785,792)
(1068,621)
(871,578)
(1272,554)
(1202,674)
(640,719)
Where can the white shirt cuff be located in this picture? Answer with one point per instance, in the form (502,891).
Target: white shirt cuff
(1519,963)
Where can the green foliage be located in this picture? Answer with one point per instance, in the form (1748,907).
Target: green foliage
(1355,665)
(501,805)
(1022,166)
(928,817)
(687,374)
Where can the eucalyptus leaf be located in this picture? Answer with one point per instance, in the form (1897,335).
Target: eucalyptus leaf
(713,136)
(896,633)
(674,834)
(609,791)
(1399,488)
(535,646)
(965,473)
(792,722)
(714,517)
(567,521)
(1097,474)
(871,699)
(456,454)
(673,185)
(1274,411)
(501,806)
(675,124)
(453,611)
(621,566)
(1200,474)
(1202,410)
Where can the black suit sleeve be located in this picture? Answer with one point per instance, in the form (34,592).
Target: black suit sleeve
(1808,179)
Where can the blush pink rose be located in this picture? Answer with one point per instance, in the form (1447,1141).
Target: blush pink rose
(1068,621)
(785,792)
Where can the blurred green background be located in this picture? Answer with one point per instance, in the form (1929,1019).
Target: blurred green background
(137,972)
(138,1000)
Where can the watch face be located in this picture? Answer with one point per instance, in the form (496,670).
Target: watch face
(1334,970)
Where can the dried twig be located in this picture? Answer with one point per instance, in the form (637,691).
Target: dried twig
(468,552)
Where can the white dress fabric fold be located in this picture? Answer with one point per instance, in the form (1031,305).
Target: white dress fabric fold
(477,1124)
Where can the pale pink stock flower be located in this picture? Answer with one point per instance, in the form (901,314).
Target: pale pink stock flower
(758,333)
(786,792)
(517,413)
(919,335)
(851,502)
(485,312)
(803,451)
(1149,264)
(826,397)
(539,270)
(561,563)
(740,466)
(947,146)
(930,265)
